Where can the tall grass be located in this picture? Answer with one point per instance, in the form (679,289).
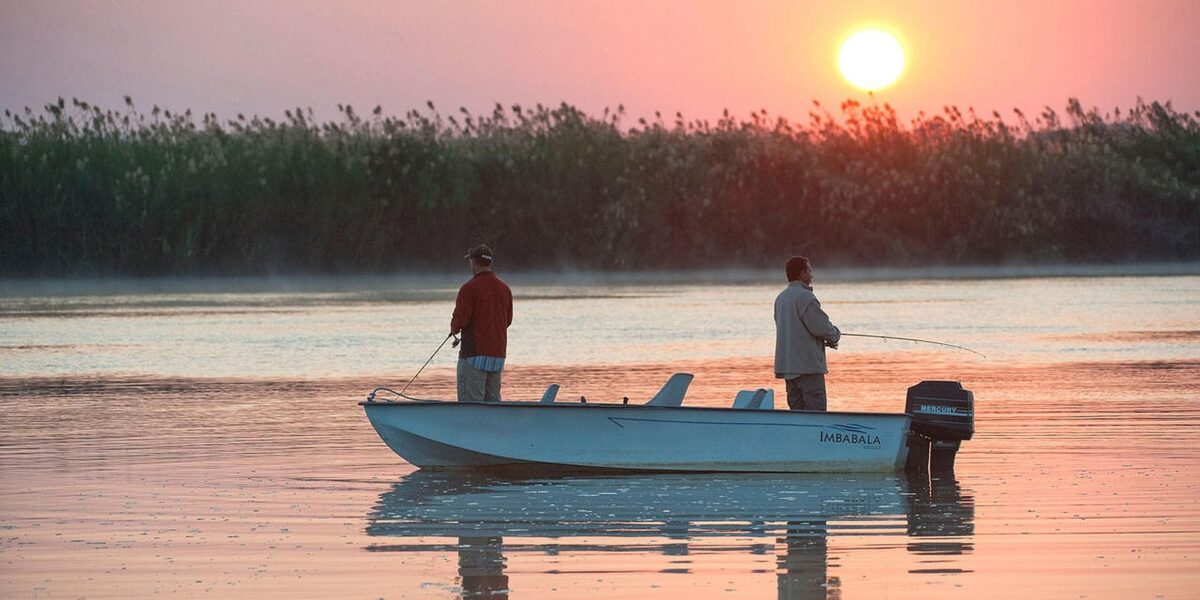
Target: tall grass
(88,190)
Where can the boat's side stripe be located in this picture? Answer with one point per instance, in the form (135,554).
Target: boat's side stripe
(851,428)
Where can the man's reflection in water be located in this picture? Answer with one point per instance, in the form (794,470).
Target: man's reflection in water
(481,567)
(803,569)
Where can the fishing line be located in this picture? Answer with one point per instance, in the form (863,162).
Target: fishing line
(905,339)
(414,377)
(371,396)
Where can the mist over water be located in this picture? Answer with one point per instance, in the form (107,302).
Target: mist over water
(386,327)
(197,441)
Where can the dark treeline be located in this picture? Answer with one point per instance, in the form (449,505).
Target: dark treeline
(90,191)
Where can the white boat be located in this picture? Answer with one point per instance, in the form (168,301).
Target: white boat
(663,435)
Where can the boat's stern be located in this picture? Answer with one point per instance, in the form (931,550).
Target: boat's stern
(943,415)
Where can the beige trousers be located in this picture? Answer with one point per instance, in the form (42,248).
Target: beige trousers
(475,385)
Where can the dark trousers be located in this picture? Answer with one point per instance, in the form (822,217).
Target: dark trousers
(806,392)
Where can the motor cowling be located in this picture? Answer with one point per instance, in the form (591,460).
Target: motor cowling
(942,415)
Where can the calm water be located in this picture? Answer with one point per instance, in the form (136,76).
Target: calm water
(207,443)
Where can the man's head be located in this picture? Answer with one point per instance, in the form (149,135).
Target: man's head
(480,257)
(799,269)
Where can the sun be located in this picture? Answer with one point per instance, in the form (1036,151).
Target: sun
(871,59)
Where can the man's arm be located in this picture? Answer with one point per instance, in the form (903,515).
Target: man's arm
(510,306)
(818,324)
(463,305)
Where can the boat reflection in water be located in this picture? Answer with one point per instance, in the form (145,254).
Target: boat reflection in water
(790,515)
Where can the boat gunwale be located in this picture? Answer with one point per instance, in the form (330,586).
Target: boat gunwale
(573,405)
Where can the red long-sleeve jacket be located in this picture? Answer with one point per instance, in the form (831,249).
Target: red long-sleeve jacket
(482,312)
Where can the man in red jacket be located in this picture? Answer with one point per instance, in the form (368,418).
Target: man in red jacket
(482,313)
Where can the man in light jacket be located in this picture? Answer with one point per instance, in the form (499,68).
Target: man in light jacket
(802,331)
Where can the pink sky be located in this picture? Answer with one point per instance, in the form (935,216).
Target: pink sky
(698,57)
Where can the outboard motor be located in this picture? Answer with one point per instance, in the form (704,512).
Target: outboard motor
(943,415)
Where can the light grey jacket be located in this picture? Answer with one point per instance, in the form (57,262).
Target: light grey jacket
(801,330)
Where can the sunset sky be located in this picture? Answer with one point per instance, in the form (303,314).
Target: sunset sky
(263,56)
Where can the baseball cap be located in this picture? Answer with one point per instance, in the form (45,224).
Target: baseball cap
(481,251)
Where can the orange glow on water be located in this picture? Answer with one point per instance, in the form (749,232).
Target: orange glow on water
(235,478)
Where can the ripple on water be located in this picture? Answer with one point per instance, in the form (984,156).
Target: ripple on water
(1081,479)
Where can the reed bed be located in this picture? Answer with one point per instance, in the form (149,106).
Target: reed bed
(86,190)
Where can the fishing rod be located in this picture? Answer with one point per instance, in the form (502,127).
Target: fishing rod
(439,349)
(371,396)
(906,339)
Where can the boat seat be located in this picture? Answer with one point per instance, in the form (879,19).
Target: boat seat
(672,391)
(550,393)
(760,399)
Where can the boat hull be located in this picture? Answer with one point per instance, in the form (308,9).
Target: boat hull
(470,435)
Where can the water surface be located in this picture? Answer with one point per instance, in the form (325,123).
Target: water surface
(197,443)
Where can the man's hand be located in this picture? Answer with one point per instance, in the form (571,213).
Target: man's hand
(831,344)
